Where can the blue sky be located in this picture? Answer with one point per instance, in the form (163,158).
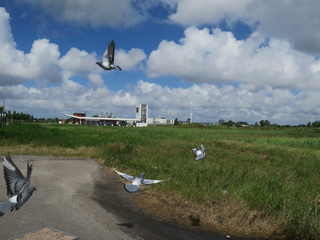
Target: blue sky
(243,61)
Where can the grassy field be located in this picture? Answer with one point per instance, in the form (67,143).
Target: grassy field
(249,175)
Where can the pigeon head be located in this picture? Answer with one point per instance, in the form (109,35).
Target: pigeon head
(142,175)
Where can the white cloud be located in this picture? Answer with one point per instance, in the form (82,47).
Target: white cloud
(116,14)
(191,12)
(131,59)
(297,22)
(78,62)
(217,57)
(208,102)
(17,67)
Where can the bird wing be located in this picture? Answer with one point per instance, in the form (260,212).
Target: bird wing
(109,53)
(15,180)
(125,176)
(194,150)
(29,171)
(150,181)
(200,156)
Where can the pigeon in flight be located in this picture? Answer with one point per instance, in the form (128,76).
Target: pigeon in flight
(136,181)
(200,152)
(18,186)
(108,58)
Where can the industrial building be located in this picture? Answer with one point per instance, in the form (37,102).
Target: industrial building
(141,119)
(160,121)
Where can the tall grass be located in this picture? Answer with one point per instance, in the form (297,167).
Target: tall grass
(274,171)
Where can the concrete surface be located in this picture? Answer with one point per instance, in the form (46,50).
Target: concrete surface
(79,197)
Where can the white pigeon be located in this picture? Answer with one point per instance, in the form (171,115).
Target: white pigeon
(136,182)
(18,186)
(199,152)
(108,58)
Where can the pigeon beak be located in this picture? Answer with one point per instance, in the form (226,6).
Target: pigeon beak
(35,189)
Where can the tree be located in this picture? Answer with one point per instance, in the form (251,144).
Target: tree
(264,123)
(230,123)
(176,122)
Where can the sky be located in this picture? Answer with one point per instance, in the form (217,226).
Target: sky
(244,60)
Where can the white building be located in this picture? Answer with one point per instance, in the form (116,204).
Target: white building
(160,121)
(142,112)
(139,121)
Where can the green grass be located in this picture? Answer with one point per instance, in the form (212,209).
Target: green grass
(275,171)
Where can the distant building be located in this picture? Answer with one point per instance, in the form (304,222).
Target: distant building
(142,112)
(160,121)
(139,121)
(221,121)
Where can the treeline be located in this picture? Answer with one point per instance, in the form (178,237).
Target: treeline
(19,116)
(266,123)
(24,117)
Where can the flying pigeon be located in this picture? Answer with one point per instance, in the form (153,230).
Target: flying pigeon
(108,58)
(18,189)
(136,181)
(200,152)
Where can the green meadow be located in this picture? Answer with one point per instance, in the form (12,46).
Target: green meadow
(275,172)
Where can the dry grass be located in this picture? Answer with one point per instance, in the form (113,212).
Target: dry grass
(47,234)
(226,217)
(45,150)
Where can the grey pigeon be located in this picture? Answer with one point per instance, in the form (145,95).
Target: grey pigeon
(18,186)
(199,152)
(108,58)
(136,181)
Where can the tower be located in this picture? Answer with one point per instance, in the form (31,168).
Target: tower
(142,113)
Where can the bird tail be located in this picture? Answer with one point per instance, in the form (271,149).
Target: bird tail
(5,207)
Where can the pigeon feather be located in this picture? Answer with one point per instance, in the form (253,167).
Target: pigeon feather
(18,187)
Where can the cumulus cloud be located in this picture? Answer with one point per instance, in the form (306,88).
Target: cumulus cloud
(208,102)
(297,22)
(17,67)
(131,59)
(214,56)
(77,61)
(96,13)
(190,12)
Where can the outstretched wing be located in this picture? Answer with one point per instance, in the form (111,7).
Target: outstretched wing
(200,156)
(150,181)
(194,150)
(109,53)
(125,176)
(29,171)
(15,180)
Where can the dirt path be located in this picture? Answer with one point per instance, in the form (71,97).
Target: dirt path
(79,197)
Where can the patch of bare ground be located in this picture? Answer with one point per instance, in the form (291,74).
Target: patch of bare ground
(226,216)
(47,234)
